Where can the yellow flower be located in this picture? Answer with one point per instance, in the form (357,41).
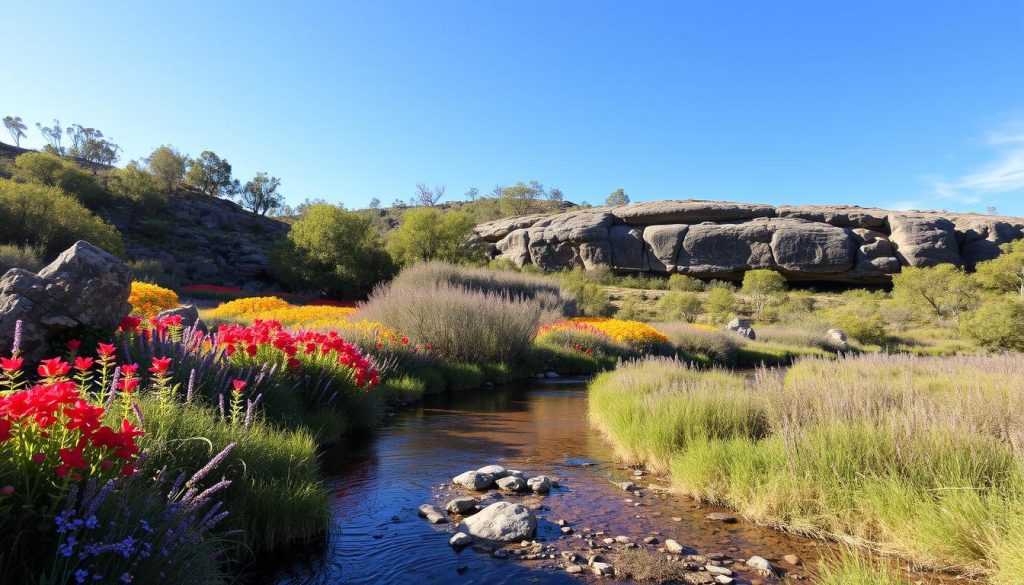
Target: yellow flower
(149,299)
(246,308)
(618,329)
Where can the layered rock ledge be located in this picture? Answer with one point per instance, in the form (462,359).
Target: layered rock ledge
(717,239)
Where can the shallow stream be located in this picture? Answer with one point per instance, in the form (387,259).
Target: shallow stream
(540,428)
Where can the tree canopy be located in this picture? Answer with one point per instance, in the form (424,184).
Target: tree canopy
(211,175)
(429,234)
(260,194)
(168,165)
(618,197)
(16,127)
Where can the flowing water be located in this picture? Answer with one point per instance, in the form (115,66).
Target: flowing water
(540,428)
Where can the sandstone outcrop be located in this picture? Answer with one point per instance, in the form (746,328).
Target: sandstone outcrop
(715,239)
(84,287)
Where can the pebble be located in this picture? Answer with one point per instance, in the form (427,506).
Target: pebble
(677,519)
(566,530)
(627,486)
(673,547)
(721,517)
(602,569)
(574,569)
(716,570)
(761,564)
(623,539)
(460,539)
(500,554)
(432,513)
(792,559)
(724,580)
(651,540)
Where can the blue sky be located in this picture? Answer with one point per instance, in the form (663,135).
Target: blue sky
(895,104)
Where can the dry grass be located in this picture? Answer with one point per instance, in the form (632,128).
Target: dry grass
(644,566)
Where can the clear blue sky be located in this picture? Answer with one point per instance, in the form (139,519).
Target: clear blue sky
(888,103)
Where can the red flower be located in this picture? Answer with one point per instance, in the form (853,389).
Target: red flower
(405,341)
(128,384)
(74,458)
(105,349)
(129,369)
(294,363)
(130,323)
(5,429)
(128,470)
(83,363)
(39,458)
(238,384)
(53,367)
(160,365)
(11,364)
(251,349)
(84,416)
(74,344)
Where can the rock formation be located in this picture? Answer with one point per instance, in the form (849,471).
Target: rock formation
(715,239)
(84,287)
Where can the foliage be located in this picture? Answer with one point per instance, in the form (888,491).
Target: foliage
(679,305)
(762,287)
(997,324)
(16,127)
(211,175)
(90,145)
(333,251)
(704,344)
(42,216)
(260,194)
(720,304)
(631,332)
(168,165)
(1004,274)
(149,299)
(25,257)
(53,171)
(520,199)
(617,197)
(53,135)
(683,283)
(860,316)
(136,185)
(428,234)
(946,289)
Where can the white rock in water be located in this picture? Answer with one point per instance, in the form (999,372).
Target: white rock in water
(501,521)
(461,505)
(673,547)
(495,471)
(433,514)
(460,539)
(540,484)
(602,569)
(761,564)
(474,480)
(512,484)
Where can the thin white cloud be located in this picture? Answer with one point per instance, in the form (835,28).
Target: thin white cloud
(1003,175)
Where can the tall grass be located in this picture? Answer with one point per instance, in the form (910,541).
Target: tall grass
(25,257)
(700,342)
(919,457)
(467,315)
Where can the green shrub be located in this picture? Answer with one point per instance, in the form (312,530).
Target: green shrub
(53,171)
(676,306)
(152,271)
(683,283)
(721,303)
(24,257)
(38,215)
(429,234)
(860,317)
(704,344)
(997,324)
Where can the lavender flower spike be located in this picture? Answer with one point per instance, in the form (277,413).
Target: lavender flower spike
(216,461)
(191,386)
(16,347)
(113,386)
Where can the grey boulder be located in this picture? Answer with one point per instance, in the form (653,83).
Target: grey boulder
(503,522)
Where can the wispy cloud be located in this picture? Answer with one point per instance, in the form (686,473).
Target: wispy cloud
(1004,174)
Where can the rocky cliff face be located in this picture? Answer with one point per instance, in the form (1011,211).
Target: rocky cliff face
(714,239)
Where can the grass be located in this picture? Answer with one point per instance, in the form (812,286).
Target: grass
(848,567)
(912,456)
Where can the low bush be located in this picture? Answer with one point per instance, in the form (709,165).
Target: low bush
(702,343)
(25,257)
(683,283)
(149,299)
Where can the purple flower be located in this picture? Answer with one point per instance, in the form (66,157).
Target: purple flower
(213,464)
(16,347)
(191,386)
(81,575)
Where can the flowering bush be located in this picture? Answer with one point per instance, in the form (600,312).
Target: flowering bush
(305,317)
(583,338)
(632,332)
(241,308)
(149,299)
(269,342)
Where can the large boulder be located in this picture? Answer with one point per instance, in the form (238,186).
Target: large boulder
(84,287)
(802,247)
(923,240)
(849,216)
(662,243)
(689,211)
(712,250)
(501,521)
(628,248)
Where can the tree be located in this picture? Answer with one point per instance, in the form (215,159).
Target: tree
(618,197)
(136,185)
(679,305)
(997,324)
(519,199)
(426,196)
(333,251)
(946,289)
(53,136)
(472,194)
(429,234)
(168,166)
(211,175)
(89,144)
(260,194)
(16,127)
(556,194)
(721,303)
(51,170)
(308,203)
(1004,274)
(762,287)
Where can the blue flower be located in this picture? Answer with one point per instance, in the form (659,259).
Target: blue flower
(92,522)
(126,578)
(68,547)
(145,526)
(81,575)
